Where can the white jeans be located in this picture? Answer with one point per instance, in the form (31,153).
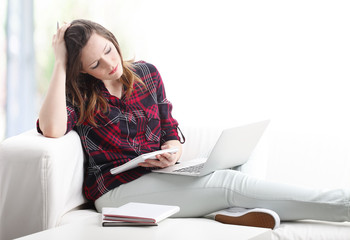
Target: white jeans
(199,196)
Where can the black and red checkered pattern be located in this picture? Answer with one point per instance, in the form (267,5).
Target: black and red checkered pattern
(133,126)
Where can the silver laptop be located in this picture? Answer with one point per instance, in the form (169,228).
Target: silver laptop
(232,149)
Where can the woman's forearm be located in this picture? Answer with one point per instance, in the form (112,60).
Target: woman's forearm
(53,113)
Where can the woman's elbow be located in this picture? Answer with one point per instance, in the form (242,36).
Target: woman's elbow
(52,132)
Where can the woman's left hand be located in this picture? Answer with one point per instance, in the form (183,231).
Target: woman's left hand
(166,159)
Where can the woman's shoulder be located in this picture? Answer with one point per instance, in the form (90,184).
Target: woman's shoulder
(148,74)
(143,67)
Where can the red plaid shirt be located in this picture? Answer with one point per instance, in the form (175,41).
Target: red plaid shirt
(132,127)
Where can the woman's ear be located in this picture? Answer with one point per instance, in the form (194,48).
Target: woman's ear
(82,71)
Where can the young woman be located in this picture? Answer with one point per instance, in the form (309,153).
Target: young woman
(120,111)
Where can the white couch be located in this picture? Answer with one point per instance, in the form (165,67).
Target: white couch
(41,185)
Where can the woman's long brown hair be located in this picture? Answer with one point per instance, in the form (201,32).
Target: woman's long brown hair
(82,89)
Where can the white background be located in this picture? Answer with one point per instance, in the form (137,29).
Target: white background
(232,62)
(228,62)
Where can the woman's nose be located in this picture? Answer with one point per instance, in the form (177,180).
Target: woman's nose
(108,63)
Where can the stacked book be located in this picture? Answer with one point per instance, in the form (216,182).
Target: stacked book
(137,214)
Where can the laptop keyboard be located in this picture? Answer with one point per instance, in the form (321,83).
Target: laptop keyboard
(191,169)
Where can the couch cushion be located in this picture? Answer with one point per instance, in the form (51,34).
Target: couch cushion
(312,230)
(305,230)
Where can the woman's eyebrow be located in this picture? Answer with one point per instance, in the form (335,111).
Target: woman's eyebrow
(97,59)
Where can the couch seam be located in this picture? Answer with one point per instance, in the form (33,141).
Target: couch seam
(44,186)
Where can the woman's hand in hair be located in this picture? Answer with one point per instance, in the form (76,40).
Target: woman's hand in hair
(59,45)
(53,112)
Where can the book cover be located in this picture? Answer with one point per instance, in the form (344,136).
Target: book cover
(133,163)
(137,214)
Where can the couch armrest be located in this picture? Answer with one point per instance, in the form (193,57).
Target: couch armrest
(40,180)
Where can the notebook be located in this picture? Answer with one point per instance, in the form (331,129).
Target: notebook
(135,161)
(134,213)
(233,148)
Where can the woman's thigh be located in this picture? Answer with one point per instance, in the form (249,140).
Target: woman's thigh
(194,195)
(198,196)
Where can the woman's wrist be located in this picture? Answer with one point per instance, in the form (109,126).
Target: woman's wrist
(60,65)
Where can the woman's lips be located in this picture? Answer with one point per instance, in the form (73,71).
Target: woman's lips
(114,70)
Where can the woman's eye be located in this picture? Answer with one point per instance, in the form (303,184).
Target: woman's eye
(96,65)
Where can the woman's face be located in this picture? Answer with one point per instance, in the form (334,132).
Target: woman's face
(101,59)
